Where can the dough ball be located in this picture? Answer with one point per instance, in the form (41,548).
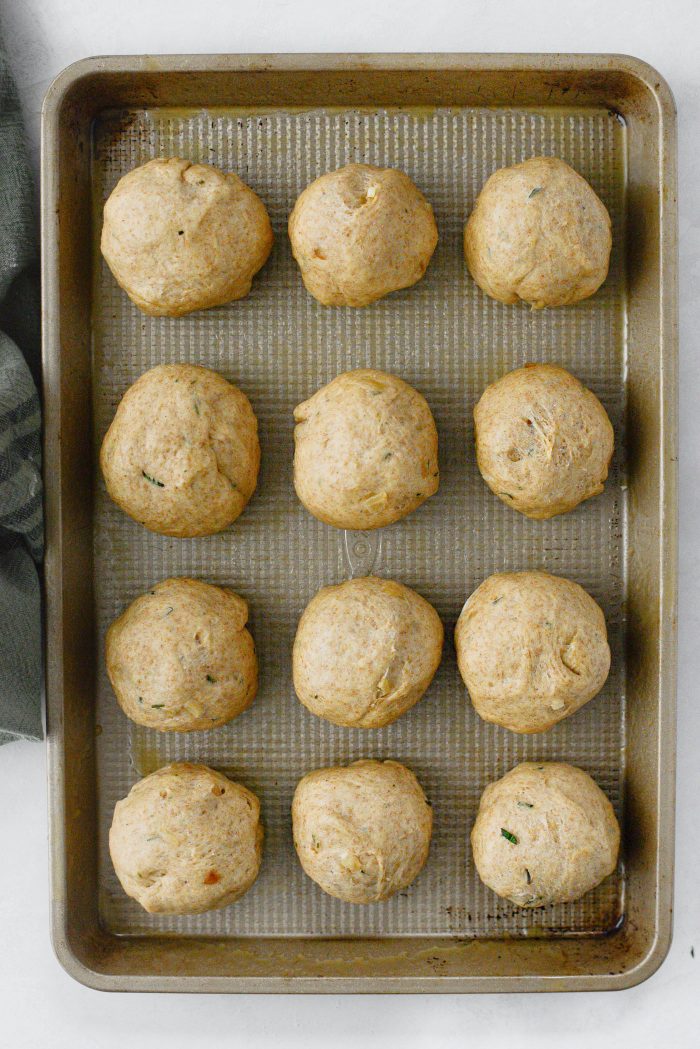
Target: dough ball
(544,834)
(360,233)
(366,450)
(180,237)
(362,831)
(532,648)
(185,840)
(543,440)
(182,453)
(538,233)
(180,658)
(365,652)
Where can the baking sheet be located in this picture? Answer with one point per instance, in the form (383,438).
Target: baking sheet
(445,337)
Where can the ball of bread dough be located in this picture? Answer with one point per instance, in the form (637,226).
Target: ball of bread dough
(180,658)
(180,237)
(182,453)
(365,651)
(360,233)
(538,233)
(366,450)
(532,648)
(544,834)
(543,440)
(185,840)
(362,832)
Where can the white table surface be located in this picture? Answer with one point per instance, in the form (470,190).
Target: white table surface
(40,1006)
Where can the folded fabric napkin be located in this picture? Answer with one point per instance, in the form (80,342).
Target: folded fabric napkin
(21,513)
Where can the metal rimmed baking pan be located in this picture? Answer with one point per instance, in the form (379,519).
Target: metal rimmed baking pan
(448,120)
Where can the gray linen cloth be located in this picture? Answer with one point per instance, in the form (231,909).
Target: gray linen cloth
(21,512)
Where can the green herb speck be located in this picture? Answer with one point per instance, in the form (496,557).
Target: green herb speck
(140,699)
(196,405)
(534,192)
(525,805)
(508,836)
(152,480)
(157,706)
(211,680)
(388,455)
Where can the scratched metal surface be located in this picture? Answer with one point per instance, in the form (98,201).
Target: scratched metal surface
(279,345)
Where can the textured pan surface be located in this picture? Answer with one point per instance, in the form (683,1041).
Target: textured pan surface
(449,340)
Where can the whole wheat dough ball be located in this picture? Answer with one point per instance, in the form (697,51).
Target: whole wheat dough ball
(366,450)
(182,453)
(180,237)
(362,832)
(544,834)
(538,233)
(185,840)
(543,440)
(180,658)
(360,233)
(532,648)
(365,651)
